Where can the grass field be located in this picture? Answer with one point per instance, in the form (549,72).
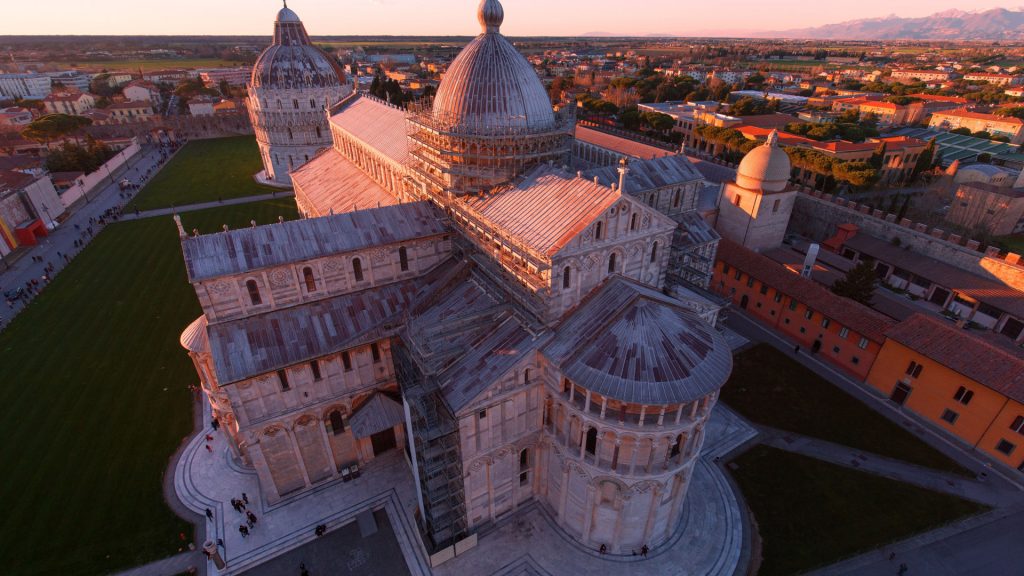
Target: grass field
(811,513)
(94,401)
(1014,243)
(203,171)
(150,65)
(771,389)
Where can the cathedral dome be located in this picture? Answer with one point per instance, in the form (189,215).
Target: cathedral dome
(765,168)
(292,61)
(490,87)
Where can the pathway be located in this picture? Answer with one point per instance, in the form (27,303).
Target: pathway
(983,544)
(205,205)
(61,241)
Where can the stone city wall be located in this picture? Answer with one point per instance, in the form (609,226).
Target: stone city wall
(816,216)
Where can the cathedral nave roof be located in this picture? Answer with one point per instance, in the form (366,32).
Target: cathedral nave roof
(649,174)
(376,124)
(330,182)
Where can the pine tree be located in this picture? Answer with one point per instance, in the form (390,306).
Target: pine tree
(859,284)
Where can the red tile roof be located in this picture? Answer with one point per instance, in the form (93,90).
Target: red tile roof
(853,315)
(938,98)
(619,144)
(959,350)
(965,113)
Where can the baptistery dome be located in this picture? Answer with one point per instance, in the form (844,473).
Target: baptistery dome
(292,61)
(765,168)
(490,87)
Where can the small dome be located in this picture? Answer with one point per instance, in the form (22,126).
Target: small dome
(490,87)
(765,168)
(292,61)
(194,338)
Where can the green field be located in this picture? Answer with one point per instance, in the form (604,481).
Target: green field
(149,65)
(772,389)
(203,171)
(811,513)
(95,400)
(1013,243)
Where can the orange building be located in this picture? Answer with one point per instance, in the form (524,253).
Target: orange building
(972,388)
(846,333)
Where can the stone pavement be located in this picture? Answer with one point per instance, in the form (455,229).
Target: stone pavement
(709,540)
(62,239)
(210,479)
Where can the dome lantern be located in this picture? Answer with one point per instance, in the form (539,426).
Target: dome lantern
(491,15)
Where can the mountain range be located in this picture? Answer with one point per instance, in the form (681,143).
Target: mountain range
(994,24)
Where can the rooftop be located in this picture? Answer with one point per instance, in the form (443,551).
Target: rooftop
(330,183)
(376,124)
(959,350)
(237,251)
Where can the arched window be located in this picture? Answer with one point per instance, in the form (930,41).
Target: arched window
(279,104)
(526,375)
(632,221)
(307,276)
(295,104)
(566,277)
(337,423)
(524,466)
(291,136)
(403,258)
(611,263)
(676,446)
(318,133)
(591,440)
(597,230)
(654,252)
(312,104)
(675,199)
(357,269)
(254,292)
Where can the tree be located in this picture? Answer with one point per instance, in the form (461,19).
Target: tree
(925,160)
(878,156)
(859,283)
(51,127)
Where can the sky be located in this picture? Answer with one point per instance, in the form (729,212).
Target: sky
(452,17)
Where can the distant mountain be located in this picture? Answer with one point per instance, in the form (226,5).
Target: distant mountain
(994,24)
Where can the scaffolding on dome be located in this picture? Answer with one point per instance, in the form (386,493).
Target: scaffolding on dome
(464,156)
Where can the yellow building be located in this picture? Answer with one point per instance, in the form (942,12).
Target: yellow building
(969,387)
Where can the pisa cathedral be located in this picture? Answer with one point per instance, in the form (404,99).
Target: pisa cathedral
(521,314)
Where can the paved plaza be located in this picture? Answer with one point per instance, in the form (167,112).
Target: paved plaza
(708,541)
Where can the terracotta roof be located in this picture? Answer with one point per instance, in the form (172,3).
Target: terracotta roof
(635,344)
(620,145)
(964,113)
(546,209)
(989,291)
(938,98)
(853,315)
(12,180)
(376,124)
(245,249)
(776,120)
(959,350)
(330,182)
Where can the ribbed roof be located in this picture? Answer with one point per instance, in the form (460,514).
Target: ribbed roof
(377,124)
(292,61)
(635,344)
(490,87)
(246,249)
(194,338)
(330,182)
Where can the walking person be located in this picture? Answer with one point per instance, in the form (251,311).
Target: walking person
(251,518)
(243,530)
(797,349)
(302,569)
(903,569)
(209,514)
(644,550)
(245,498)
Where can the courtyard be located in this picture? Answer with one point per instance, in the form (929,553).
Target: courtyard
(96,400)
(205,171)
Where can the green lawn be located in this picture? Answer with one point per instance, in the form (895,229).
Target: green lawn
(811,513)
(203,171)
(94,401)
(1014,243)
(771,389)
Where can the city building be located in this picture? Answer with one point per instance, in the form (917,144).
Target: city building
(202,105)
(233,76)
(1008,126)
(73,103)
(960,382)
(292,84)
(15,116)
(847,334)
(28,86)
(130,111)
(499,293)
(29,206)
(997,79)
(71,80)
(754,210)
(141,90)
(908,76)
(994,208)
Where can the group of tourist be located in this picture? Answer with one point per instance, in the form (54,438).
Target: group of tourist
(240,506)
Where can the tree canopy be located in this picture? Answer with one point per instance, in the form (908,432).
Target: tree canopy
(54,126)
(859,283)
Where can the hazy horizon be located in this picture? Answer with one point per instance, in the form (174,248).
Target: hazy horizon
(449,17)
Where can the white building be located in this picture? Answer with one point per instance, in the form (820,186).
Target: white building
(29,86)
(293,83)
